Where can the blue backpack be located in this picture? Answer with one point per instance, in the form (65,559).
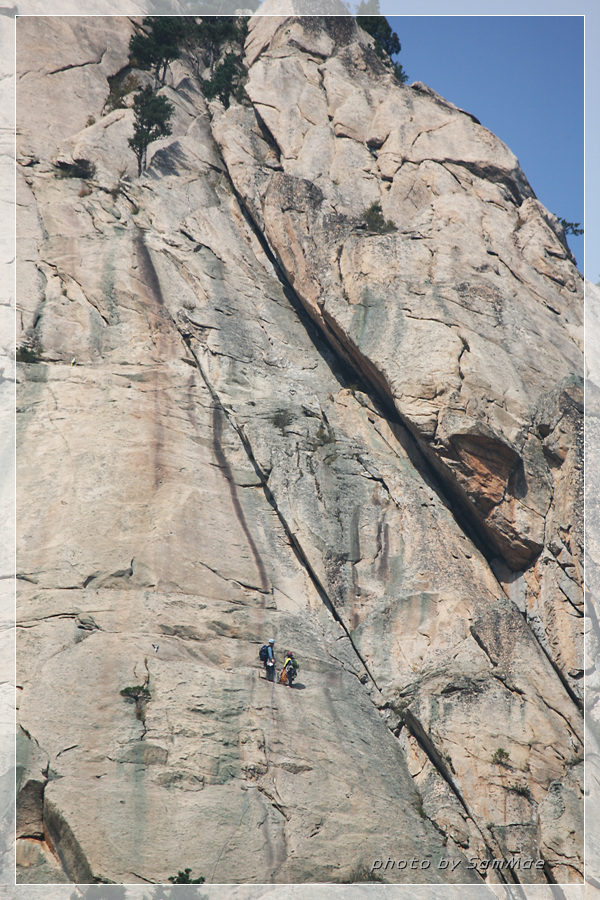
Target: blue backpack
(263,653)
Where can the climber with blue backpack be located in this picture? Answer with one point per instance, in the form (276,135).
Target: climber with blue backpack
(267,656)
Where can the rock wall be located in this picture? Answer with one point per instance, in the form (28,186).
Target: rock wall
(249,410)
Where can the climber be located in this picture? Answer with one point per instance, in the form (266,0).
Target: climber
(290,669)
(267,655)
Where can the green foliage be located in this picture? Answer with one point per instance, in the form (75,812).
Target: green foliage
(500,757)
(215,31)
(399,72)
(119,89)
(158,43)
(522,790)
(28,354)
(184,878)
(362,875)
(225,79)
(375,222)
(151,121)
(573,228)
(213,34)
(163,38)
(240,96)
(79,168)
(387,42)
(282,419)
(136,692)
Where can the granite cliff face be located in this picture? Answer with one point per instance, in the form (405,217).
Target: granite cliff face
(248,410)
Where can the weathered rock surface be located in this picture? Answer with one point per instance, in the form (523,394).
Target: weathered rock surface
(467,316)
(592,570)
(250,417)
(7,453)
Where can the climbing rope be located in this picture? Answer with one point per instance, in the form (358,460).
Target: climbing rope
(232,832)
(253,787)
(267,744)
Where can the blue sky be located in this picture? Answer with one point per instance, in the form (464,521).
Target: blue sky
(523,77)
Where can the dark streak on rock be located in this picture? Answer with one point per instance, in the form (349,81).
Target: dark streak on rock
(239,512)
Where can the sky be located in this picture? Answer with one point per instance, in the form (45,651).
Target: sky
(523,77)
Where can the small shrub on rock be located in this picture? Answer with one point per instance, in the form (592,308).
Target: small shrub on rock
(140,694)
(522,790)
(136,692)
(215,32)
(119,89)
(79,168)
(325,435)
(282,419)
(399,72)
(375,222)
(184,878)
(573,228)
(28,353)
(362,875)
(500,757)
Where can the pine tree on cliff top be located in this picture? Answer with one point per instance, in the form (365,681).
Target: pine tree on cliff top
(387,42)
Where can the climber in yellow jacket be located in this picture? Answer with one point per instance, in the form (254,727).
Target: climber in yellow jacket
(290,669)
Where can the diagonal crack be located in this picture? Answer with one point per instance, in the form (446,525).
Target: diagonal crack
(89,62)
(222,411)
(416,729)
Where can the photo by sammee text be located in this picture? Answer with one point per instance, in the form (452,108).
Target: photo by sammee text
(513,863)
